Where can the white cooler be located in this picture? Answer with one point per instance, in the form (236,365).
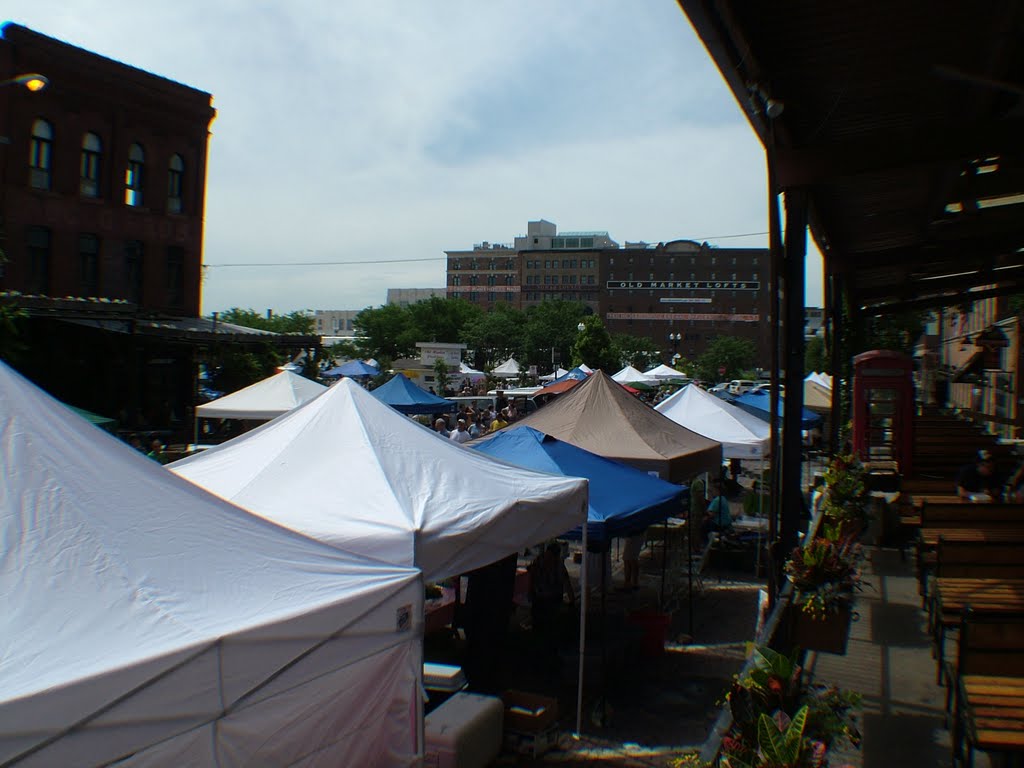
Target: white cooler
(464,732)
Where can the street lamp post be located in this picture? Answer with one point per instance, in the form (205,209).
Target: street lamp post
(675,338)
(31,80)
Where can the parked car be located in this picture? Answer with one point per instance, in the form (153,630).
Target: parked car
(719,388)
(740,386)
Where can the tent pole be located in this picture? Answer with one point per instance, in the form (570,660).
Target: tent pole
(689,577)
(664,558)
(584,591)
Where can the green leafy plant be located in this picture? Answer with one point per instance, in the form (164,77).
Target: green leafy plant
(824,573)
(846,495)
(780,720)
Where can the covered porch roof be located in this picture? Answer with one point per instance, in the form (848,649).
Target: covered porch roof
(902,121)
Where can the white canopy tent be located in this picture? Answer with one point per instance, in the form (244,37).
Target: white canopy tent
(663,373)
(264,400)
(629,374)
(149,623)
(508,370)
(742,435)
(348,470)
(556,374)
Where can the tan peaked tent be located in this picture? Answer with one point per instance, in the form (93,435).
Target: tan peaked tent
(817,397)
(601,417)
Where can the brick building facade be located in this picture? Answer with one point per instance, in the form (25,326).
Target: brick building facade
(103,178)
(681,295)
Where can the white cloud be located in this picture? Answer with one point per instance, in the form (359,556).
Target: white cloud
(358,130)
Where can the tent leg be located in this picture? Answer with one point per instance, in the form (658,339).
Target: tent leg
(583,635)
(689,579)
(664,558)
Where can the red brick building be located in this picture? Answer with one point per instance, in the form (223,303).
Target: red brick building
(102,196)
(103,178)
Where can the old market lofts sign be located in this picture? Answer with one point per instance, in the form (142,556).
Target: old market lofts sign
(684,285)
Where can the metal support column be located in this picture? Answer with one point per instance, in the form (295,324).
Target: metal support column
(794,269)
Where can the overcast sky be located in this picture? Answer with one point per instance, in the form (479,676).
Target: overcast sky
(376,130)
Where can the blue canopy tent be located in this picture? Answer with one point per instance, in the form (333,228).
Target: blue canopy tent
(623,501)
(354,369)
(760,404)
(405,397)
(576,374)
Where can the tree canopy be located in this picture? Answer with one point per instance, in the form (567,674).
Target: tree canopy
(299,321)
(733,355)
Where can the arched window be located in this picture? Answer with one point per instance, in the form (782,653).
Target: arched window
(133,176)
(40,159)
(175,174)
(89,172)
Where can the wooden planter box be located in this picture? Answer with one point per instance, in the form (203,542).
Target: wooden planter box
(828,635)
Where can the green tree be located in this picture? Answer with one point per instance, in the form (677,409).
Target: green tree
(898,331)
(495,336)
(593,346)
(732,354)
(551,331)
(441,320)
(638,351)
(299,321)
(385,332)
(816,356)
(11,343)
(440,376)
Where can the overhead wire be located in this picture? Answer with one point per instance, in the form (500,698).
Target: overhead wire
(409,261)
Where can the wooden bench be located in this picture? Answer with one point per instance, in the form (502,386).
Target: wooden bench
(964,523)
(988,685)
(952,595)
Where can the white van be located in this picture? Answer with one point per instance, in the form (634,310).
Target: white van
(740,386)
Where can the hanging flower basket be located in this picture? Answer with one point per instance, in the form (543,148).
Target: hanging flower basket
(828,633)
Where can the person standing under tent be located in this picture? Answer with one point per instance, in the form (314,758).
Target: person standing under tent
(460,434)
(631,560)
(549,583)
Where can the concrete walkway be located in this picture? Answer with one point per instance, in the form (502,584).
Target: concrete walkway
(889,662)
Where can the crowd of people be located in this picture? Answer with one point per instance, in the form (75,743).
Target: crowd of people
(469,423)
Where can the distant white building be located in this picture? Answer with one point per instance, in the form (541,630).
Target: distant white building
(337,323)
(403,297)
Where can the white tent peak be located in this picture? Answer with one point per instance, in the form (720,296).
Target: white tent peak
(664,372)
(742,435)
(351,471)
(147,619)
(265,399)
(507,370)
(630,374)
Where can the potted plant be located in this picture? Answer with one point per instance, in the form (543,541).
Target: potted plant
(846,502)
(779,721)
(824,574)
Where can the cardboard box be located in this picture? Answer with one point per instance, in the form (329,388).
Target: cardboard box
(529,712)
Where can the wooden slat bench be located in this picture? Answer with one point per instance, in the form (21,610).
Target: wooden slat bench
(989,596)
(988,713)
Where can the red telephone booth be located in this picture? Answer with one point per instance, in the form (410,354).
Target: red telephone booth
(883,407)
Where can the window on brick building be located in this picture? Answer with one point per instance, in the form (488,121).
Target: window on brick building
(133,270)
(175,276)
(40,158)
(89,264)
(133,176)
(38,260)
(175,177)
(92,152)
